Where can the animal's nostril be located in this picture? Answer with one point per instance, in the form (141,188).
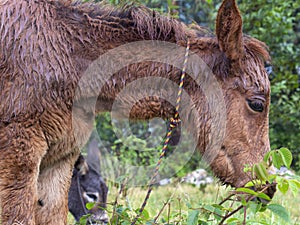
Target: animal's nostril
(91,196)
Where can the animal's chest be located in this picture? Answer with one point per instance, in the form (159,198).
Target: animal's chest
(66,132)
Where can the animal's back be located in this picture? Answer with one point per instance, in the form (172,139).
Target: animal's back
(35,60)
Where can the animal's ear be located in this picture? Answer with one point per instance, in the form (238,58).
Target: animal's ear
(229,30)
(81,165)
(93,157)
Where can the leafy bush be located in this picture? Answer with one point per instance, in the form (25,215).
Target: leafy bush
(241,206)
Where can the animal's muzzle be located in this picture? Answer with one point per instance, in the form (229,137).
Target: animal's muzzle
(269,191)
(102,220)
(98,222)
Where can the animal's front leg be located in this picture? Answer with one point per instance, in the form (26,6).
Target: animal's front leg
(53,186)
(21,150)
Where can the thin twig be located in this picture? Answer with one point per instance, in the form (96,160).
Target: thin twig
(160,211)
(231,205)
(117,197)
(230,214)
(169,211)
(218,192)
(226,199)
(179,203)
(245,215)
(166,203)
(201,208)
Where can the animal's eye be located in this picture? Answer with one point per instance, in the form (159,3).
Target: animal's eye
(256,105)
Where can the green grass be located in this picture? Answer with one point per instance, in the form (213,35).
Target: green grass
(183,196)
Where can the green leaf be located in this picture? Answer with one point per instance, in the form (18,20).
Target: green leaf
(247,168)
(254,206)
(126,223)
(228,209)
(232,220)
(287,157)
(188,204)
(264,196)
(283,185)
(267,156)
(243,201)
(297,183)
(209,208)
(263,208)
(294,186)
(271,178)
(83,219)
(218,206)
(247,190)
(90,205)
(202,222)
(260,171)
(150,222)
(145,215)
(279,211)
(277,159)
(217,211)
(254,183)
(193,217)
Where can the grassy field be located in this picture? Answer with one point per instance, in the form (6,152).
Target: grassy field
(178,198)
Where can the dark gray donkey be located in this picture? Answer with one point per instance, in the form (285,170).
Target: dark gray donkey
(88,186)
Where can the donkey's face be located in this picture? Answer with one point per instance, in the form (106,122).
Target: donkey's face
(88,186)
(247,94)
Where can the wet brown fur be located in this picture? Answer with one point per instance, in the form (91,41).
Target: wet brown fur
(45,47)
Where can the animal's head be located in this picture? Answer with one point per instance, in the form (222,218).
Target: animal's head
(246,89)
(88,186)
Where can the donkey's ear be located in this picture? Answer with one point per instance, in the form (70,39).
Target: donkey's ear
(93,157)
(229,30)
(81,165)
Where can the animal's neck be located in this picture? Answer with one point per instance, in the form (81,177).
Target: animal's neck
(99,33)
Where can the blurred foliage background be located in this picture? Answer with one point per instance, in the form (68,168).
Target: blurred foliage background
(275,22)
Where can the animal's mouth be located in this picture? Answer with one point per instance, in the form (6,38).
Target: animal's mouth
(101,220)
(98,222)
(268,189)
(226,179)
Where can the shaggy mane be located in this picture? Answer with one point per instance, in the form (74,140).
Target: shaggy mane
(150,25)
